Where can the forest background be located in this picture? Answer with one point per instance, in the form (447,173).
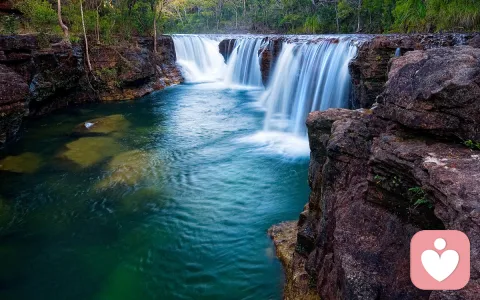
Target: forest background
(112,21)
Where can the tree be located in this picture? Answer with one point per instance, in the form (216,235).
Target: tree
(87,55)
(160,8)
(62,25)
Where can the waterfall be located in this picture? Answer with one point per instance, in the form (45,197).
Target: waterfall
(199,58)
(311,73)
(201,61)
(308,77)
(243,66)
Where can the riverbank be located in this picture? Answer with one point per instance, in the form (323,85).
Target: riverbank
(39,74)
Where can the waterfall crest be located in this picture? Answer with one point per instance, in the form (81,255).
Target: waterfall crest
(308,77)
(243,67)
(199,58)
(311,73)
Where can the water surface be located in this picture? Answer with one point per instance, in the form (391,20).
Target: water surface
(174,204)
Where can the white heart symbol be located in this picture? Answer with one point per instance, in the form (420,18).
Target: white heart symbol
(440,267)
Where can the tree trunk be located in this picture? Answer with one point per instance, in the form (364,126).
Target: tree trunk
(244,8)
(98,27)
(64,27)
(359,25)
(155,34)
(87,56)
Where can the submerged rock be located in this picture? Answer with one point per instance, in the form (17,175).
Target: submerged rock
(102,126)
(88,151)
(27,162)
(127,168)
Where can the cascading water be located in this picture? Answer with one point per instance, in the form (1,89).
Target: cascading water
(199,58)
(201,61)
(307,77)
(243,66)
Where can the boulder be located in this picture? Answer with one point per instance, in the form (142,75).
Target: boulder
(435,91)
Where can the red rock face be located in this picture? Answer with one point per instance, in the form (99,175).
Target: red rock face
(355,232)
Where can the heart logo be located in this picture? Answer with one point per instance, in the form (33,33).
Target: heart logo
(440,267)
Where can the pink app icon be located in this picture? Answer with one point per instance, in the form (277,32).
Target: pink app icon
(440,260)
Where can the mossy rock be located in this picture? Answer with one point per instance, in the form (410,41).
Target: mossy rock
(127,168)
(88,151)
(27,162)
(114,124)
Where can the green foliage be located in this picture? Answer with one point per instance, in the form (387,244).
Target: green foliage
(9,24)
(472,144)
(39,15)
(409,15)
(418,197)
(120,20)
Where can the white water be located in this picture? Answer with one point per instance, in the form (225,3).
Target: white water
(201,61)
(199,58)
(307,77)
(243,66)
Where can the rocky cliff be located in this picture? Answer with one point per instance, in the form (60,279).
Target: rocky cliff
(379,176)
(369,70)
(39,74)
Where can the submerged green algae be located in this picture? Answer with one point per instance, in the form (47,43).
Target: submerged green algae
(126,168)
(27,162)
(88,151)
